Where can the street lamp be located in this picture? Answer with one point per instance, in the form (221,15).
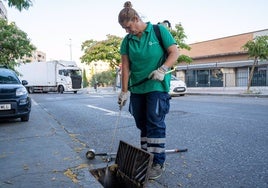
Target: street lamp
(95,64)
(95,77)
(70,49)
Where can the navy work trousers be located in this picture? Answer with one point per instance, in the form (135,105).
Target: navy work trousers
(149,111)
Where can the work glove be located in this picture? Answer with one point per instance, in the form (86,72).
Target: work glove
(158,74)
(122,99)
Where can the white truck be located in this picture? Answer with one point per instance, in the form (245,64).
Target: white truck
(51,76)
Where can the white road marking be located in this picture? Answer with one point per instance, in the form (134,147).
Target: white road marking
(102,109)
(110,112)
(34,102)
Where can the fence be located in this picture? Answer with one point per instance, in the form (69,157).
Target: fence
(226,80)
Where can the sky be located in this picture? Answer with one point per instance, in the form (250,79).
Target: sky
(59,27)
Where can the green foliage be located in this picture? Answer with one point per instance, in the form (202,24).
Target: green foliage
(14,44)
(257,49)
(106,50)
(180,36)
(184,58)
(85,81)
(106,78)
(20,4)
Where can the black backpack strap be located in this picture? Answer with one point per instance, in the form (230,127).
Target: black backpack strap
(158,35)
(128,37)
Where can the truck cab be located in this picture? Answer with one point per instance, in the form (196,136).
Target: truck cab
(69,79)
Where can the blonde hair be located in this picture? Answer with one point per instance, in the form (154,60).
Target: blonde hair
(127,13)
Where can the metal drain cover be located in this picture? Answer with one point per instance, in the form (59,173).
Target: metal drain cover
(130,169)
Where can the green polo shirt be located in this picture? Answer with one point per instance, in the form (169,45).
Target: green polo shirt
(146,55)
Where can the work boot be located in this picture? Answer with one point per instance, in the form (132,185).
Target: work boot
(156,171)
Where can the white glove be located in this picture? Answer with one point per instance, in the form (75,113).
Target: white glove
(158,74)
(122,99)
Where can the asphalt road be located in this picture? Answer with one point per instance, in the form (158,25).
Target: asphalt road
(226,138)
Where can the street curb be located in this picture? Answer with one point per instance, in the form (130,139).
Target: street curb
(229,94)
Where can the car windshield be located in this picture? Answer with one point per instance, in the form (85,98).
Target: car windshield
(75,72)
(70,72)
(7,78)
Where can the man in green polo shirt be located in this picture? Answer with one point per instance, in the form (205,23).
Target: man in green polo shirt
(144,68)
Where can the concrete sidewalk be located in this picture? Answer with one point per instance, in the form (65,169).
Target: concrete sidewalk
(230,91)
(40,153)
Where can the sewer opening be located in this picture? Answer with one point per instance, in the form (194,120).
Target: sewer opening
(130,169)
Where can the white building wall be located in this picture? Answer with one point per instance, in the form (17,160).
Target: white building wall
(260,33)
(3,11)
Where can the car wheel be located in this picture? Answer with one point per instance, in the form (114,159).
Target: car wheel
(25,118)
(30,89)
(60,89)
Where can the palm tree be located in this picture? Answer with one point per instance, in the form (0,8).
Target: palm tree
(258,50)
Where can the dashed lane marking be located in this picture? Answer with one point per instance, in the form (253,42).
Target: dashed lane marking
(110,112)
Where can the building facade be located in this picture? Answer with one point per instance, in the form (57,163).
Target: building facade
(37,56)
(222,63)
(3,11)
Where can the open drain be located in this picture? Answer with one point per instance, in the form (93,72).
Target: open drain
(130,169)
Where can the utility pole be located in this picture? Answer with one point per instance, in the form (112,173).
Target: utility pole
(70,49)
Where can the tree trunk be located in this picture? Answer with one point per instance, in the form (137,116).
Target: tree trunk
(251,73)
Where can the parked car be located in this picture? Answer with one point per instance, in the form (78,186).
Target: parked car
(14,99)
(177,87)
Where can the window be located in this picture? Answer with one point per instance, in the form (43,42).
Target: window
(259,77)
(216,78)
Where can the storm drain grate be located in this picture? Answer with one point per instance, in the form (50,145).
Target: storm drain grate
(130,169)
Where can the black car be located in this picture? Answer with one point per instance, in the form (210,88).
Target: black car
(14,99)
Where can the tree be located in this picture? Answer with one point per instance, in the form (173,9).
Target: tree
(258,50)
(85,81)
(14,44)
(105,78)
(106,50)
(180,36)
(21,4)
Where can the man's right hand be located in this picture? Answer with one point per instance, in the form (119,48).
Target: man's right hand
(122,99)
